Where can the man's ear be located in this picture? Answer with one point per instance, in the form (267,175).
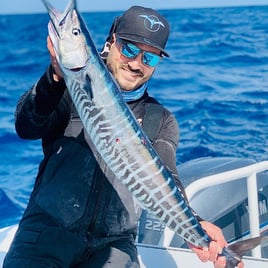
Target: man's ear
(105,50)
(113,38)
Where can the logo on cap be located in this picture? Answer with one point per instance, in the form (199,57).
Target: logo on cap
(152,23)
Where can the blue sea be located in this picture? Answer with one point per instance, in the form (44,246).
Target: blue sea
(215,83)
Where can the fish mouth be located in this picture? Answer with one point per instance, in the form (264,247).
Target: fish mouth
(77,69)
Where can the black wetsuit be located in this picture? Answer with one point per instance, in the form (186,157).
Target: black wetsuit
(75,218)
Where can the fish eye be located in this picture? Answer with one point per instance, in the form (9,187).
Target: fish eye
(76,31)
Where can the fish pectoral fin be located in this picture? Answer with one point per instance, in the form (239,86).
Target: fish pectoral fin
(242,247)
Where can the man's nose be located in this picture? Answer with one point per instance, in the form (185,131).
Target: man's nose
(136,62)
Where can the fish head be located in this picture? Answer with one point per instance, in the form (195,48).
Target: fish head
(68,39)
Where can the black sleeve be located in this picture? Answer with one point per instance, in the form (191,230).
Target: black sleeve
(42,110)
(166,145)
(48,93)
(167,140)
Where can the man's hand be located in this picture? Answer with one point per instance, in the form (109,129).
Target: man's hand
(57,75)
(215,247)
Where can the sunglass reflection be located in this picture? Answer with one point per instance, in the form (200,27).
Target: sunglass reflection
(131,51)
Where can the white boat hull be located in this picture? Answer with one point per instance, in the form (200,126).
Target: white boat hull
(150,256)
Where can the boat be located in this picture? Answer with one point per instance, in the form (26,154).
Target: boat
(230,192)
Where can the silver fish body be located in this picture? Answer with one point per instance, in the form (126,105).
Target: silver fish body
(118,142)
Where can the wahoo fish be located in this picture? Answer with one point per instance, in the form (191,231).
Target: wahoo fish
(120,146)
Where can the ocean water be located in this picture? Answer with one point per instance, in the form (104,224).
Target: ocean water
(215,83)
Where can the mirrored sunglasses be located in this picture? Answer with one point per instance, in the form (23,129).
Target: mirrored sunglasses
(131,51)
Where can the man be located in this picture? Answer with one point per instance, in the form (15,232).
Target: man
(75,218)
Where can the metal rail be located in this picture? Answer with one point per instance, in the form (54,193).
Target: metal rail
(248,173)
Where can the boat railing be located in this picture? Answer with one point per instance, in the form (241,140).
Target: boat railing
(248,173)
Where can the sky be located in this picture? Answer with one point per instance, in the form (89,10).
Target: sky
(36,6)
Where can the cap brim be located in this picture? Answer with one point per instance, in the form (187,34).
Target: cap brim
(142,40)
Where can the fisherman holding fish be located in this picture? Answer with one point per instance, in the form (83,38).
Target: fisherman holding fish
(75,216)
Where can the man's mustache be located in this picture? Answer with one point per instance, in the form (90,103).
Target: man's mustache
(136,71)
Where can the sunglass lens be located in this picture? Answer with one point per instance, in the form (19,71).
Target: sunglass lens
(129,50)
(150,59)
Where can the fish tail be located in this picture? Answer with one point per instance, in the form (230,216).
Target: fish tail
(242,247)
(236,251)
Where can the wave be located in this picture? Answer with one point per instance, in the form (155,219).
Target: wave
(9,209)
